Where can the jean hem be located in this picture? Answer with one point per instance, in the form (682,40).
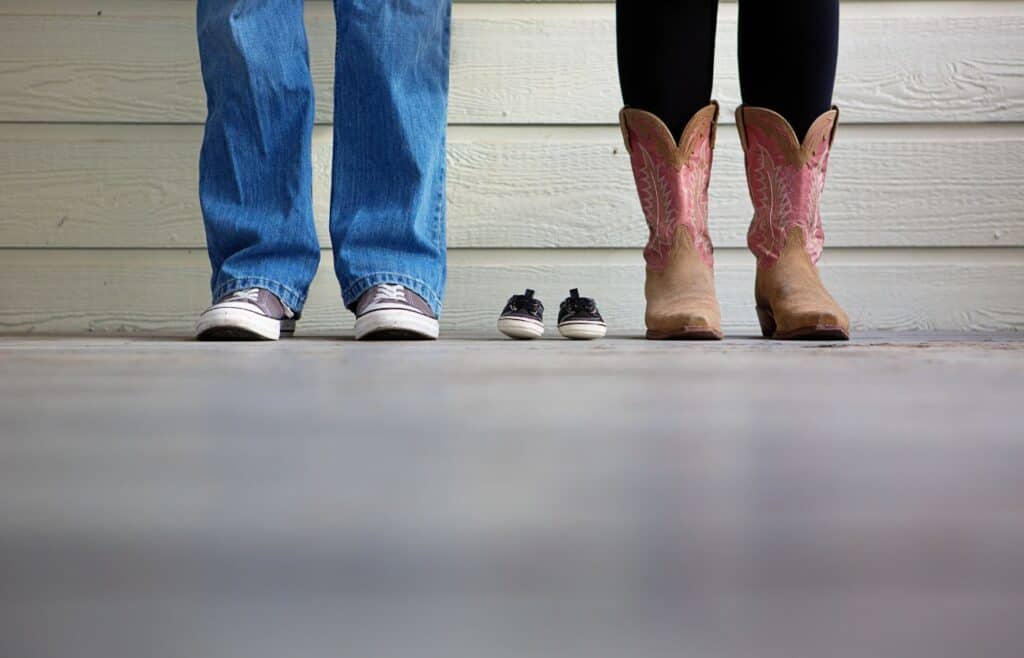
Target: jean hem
(292,298)
(351,292)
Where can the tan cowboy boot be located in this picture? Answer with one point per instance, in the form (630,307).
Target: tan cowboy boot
(672,181)
(786,179)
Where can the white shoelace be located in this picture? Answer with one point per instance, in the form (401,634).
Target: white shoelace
(250,295)
(387,292)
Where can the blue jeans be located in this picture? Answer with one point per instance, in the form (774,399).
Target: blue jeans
(255,174)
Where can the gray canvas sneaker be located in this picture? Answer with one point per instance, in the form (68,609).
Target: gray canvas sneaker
(250,314)
(391,311)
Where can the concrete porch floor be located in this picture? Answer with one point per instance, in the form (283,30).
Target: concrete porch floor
(160,497)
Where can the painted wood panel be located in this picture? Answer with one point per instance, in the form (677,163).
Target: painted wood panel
(901,62)
(112,6)
(127,291)
(135,186)
(71,7)
(548,207)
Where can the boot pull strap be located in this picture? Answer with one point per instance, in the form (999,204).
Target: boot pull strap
(713,136)
(625,129)
(741,127)
(835,126)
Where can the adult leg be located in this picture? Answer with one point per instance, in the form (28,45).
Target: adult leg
(666,61)
(787,69)
(255,175)
(666,54)
(391,103)
(787,55)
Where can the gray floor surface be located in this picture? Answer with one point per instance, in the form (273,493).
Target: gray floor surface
(489,498)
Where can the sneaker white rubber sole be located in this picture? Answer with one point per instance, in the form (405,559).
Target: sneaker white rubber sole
(393,323)
(238,324)
(583,330)
(520,328)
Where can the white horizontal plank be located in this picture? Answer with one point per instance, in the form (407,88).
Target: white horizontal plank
(162,7)
(162,291)
(152,7)
(135,186)
(518,64)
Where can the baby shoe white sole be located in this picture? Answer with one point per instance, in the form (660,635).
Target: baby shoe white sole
(520,328)
(583,330)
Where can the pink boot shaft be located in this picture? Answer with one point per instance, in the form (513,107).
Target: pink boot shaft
(786,178)
(672,179)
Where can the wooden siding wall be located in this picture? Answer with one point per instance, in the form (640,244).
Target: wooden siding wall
(101,105)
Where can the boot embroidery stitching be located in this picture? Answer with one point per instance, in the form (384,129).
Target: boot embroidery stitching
(699,173)
(656,199)
(775,212)
(672,183)
(772,207)
(662,204)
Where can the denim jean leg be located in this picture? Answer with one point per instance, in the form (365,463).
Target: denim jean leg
(255,170)
(390,121)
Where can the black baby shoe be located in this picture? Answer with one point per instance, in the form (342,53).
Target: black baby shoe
(579,318)
(522,317)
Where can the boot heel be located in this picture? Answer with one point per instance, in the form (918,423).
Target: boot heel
(767,320)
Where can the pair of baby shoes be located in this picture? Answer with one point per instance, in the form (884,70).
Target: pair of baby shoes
(578,317)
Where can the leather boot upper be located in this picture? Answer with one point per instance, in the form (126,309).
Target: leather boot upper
(672,179)
(672,182)
(786,178)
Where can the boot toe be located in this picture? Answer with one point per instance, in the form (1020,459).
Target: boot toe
(812,324)
(684,324)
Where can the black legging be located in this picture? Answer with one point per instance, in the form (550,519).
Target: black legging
(787,56)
